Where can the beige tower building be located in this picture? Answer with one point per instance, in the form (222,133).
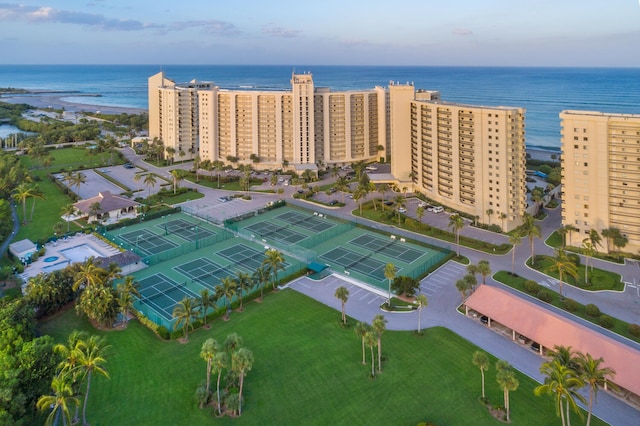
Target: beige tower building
(601,174)
(306,125)
(469,158)
(173,114)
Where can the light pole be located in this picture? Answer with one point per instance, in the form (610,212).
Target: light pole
(138,238)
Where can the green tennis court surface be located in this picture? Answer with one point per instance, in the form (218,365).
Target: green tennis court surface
(147,242)
(307,221)
(352,261)
(162,294)
(389,247)
(186,230)
(244,256)
(282,233)
(205,272)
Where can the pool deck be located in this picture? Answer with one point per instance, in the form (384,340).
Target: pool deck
(54,249)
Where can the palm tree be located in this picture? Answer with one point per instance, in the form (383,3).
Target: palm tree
(92,359)
(20,195)
(379,326)
(177,175)
(210,348)
(60,401)
(595,238)
(126,292)
(507,380)
(89,274)
(423,302)
(563,265)
(531,230)
(205,301)
(462,286)
(343,294)
(274,260)
(489,212)
(537,196)
(562,231)
(593,375)
(562,382)
(456,223)
(362,328)
(382,189)
(261,277)
(78,179)
(514,240)
(399,200)
(196,166)
(420,213)
(220,362)
(150,182)
(70,354)
(570,228)
(359,194)
(245,284)
(371,188)
(370,340)
(342,185)
(94,210)
(390,274)
(241,363)
(171,152)
(226,289)
(218,166)
(136,178)
(184,313)
(502,216)
(36,193)
(481,360)
(484,269)
(589,251)
(68,211)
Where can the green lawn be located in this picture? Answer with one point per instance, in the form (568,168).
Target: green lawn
(599,279)
(307,371)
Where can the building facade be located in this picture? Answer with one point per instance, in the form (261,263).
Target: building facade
(601,175)
(469,158)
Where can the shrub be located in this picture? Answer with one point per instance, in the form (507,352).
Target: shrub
(545,296)
(571,305)
(574,258)
(531,287)
(163,332)
(495,228)
(592,310)
(634,330)
(606,321)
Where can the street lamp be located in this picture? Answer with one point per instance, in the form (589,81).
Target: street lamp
(138,238)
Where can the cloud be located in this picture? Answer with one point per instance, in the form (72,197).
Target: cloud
(461,32)
(275,31)
(211,26)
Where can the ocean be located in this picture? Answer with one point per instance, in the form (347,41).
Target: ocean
(544,92)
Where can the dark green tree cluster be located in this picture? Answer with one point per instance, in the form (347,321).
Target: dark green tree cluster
(27,363)
(404,285)
(47,293)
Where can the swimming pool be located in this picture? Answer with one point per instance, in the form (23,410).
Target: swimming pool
(80,253)
(55,266)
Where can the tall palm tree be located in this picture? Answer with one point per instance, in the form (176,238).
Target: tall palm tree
(484,269)
(399,200)
(423,302)
(502,216)
(241,363)
(462,286)
(261,277)
(226,289)
(371,189)
(60,401)
(420,213)
(89,274)
(68,211)
(489,213)
(594,375)
(177,175)
(126,292)
(20,195)
(220,362)
(150,182)
(562,264)
(370,340)
(210,348)
(379,325)
(205,301)
(245,284)
(570,229)
(342,185)
(362,328)
(531,230)
(343,295)
(77,180)
(70,354)
(481,360)
(196,166)
(219,168)
(589,250)
(514,240)
(360,194)
(274,260)
(184,313)
(92,360)
(390,274)
(136,178)
(456,223)
(36,193)
(560,382)
(595,238)
(507,380)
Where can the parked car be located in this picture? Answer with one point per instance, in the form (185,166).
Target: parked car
(484,319)
(388,203)
(402,210)
(129,166)
(522,339)
(333,202)
(422,204)
(535,346)
(438,209)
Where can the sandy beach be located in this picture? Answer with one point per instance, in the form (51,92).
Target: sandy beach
(57,102)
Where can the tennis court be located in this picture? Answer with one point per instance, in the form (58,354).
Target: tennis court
(309,221)
(389,247)
(352,261)
(162,294)
(265,229)
(205,272)
(244,256)
(147,242)
(186,230)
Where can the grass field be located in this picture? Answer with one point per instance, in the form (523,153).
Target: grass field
(307,370)
(599,278)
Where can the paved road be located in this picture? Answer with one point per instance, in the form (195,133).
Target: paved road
(16,227)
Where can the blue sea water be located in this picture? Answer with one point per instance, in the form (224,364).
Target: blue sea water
(544,92)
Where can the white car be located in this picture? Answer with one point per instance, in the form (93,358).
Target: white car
(422,204)
(438,209)
(402,210)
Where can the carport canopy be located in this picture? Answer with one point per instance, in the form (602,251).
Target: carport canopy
(316,266)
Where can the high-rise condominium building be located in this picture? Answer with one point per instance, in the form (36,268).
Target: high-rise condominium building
(469,158)
(601,175)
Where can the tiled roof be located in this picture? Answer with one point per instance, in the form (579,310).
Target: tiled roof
(550,329)
(108,202)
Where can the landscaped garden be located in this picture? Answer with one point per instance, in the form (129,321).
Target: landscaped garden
(307,369)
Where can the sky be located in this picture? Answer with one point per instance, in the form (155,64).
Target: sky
(600,33)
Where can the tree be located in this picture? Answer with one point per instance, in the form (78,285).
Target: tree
(68,211)
(177,175)
(359,194)
(342,185)
(210,348)
(245,284)
(399,200)
(537,196)
(274,260)
(150,182)
(484,269)
(562,264)
(489,213)
(456,223)
(481,360)
(226,289)
(594,376)
(241,363)
(370,340)
(136,178)
(531,230)
(389,274)
(36,193)
(379,326)
(595,238)
(261,277)
(205,301)
(78,179)
(184,313)
(92,360)
(196,166)
(462,286)
(423,302)
(514,240)
(126,291)
(502,216)
(343,294)
(420,213)
(60,401)
(89,274)
(94,209)
(507,380)
(220,362)
(362,328)
(70,354)
(20,195)
(218,166)
(171,153)
(589,251)
(607,234)
(561,382)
